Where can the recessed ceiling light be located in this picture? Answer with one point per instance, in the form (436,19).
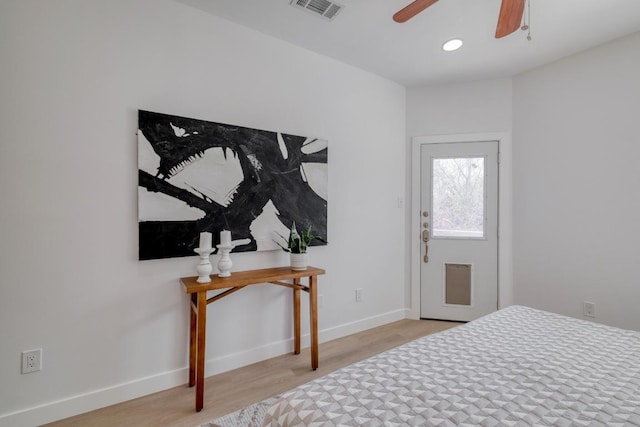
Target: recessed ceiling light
(451,45)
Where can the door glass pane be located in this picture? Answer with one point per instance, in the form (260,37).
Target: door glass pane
(458,197)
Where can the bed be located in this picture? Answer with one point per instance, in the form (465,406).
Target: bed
(515,367)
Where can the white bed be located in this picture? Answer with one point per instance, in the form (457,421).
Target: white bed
(516,367)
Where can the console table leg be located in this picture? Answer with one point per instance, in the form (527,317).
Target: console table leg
(313,309)
(202,325)
(193,328)
(296,317)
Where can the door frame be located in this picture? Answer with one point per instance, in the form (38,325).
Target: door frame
(505,201)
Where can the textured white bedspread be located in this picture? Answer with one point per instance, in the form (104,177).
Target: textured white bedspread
(516,367)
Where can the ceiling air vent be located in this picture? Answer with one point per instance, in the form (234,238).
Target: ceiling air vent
(324,8)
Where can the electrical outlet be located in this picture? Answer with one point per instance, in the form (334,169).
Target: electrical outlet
(589,309)
(31,360)
(359,295)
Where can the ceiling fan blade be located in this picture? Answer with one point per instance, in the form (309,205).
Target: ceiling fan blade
(412,9)
(510,17)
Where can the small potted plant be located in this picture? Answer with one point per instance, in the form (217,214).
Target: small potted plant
(297,245)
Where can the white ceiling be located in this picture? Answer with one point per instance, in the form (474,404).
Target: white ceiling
(364,35)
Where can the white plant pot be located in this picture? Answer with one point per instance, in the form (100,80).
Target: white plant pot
(299,261)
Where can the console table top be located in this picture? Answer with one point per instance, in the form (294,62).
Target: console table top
(248,277)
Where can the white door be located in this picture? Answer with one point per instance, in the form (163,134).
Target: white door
(459,230)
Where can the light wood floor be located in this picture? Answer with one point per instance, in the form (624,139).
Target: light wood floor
(230,391)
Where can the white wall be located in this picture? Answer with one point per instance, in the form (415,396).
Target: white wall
(473,107)
(112,328)
(577,184)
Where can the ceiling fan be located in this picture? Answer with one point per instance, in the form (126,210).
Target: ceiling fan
(508,21)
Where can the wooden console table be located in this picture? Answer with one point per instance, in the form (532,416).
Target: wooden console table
(237,281)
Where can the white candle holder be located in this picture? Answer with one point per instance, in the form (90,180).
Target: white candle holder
(204,267)
(224,263)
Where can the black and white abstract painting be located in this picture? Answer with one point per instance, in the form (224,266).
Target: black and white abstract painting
(197,176)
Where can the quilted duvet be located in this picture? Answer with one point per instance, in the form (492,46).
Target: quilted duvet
(516,367)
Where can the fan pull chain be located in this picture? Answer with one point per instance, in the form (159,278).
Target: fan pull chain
(526,24)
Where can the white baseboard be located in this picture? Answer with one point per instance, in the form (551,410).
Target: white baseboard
(100,398)
(362,325)
(247,357)
(92,400)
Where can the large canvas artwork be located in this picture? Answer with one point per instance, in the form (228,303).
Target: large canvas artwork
(196,176)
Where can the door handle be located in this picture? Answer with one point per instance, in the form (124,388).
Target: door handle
(425,239)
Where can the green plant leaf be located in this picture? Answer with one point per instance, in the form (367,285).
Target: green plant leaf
(298,243)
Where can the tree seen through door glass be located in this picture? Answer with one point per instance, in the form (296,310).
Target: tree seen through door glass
(458,197)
